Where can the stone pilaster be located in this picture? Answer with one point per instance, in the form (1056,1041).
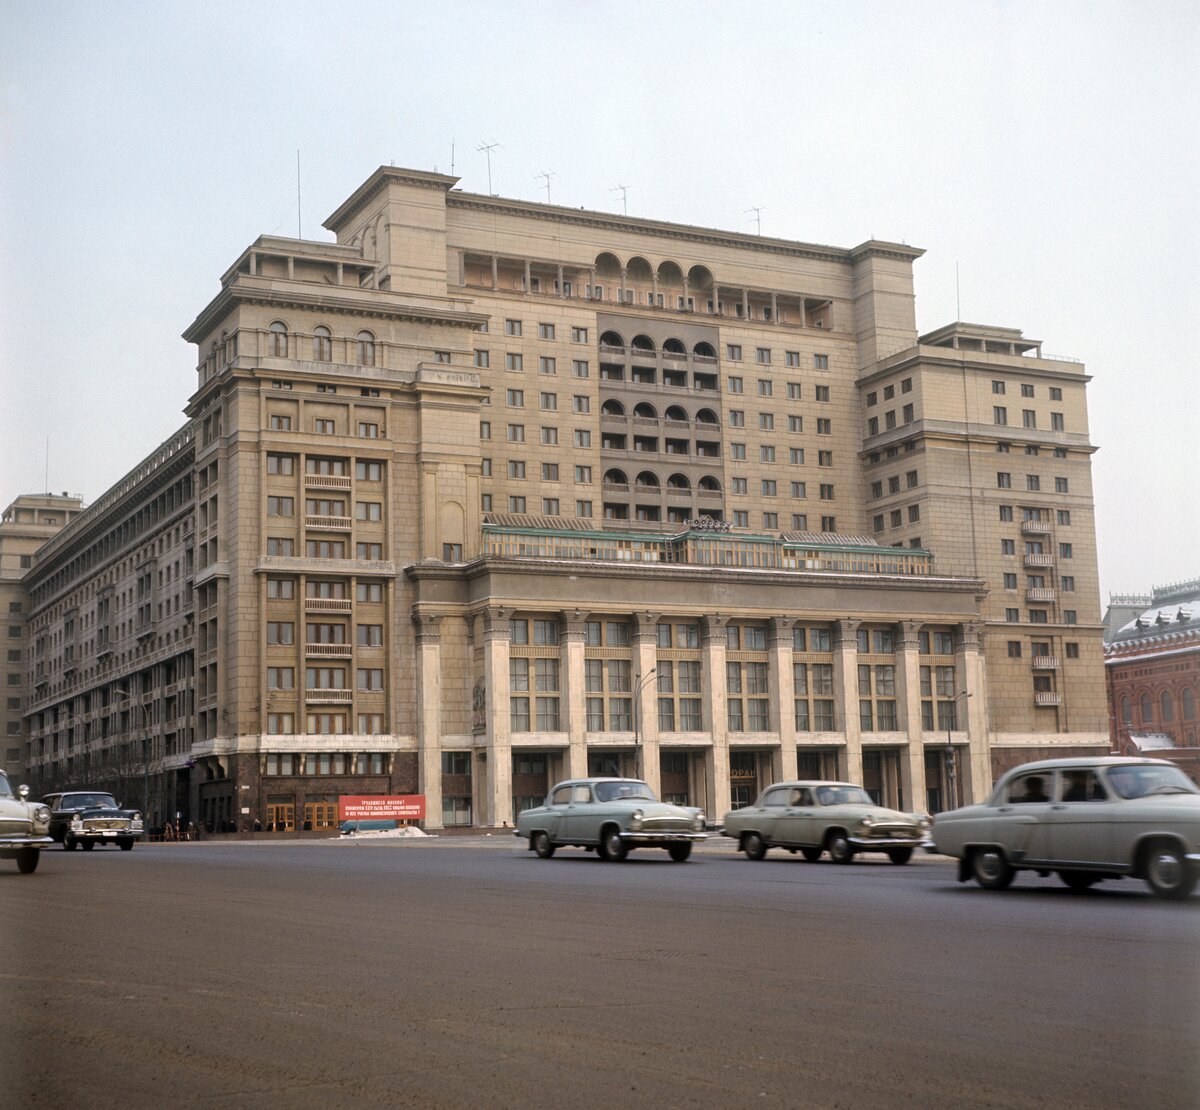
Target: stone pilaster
(717,714)
(783,687)
(428,722)
(497,636)
(574,696)
(908,701)
(645,664)
(845,686)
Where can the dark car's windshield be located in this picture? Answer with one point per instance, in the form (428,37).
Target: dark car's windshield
(5,789)
(1140,781)
(843,795)
(88,801)
(614,791)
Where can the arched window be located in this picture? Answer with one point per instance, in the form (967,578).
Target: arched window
(278,346)
(1147,709)
(366,348)
(613,408)
(1189,705)
(1166,706)
(322,344)
(1126,710)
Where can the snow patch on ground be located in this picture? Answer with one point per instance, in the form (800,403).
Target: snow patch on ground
(410,832)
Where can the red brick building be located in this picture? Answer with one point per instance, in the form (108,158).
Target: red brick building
(1152,661)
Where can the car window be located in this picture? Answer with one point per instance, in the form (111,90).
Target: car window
(626,788)
(802,796)
(1081,786)
(561,795)
(1139,781)
(843,795)
(775,798)
(1027,789)
(581,794)
(5,789)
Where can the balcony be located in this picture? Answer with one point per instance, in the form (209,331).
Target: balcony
(327,605)
(1039,593)
(1035,527)
(1039,560)
(333,523)
(336,650)
(343,697)
(1045,662)
(1047,697)
(325,481)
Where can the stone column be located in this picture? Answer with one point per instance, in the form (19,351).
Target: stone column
(623,276)
(972,674)
(745,303)
(497,635)
(495,272)
(774,307)
(845,686)
(685,292)
(908,702)
(572,656)
(428,723)
(561,290)
(528,286)
(645,662)
(716,710)
(779,643)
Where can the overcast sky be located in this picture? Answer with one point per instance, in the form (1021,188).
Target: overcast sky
(1048,150)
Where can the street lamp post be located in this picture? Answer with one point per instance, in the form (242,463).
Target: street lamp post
(951,776)
(640,682)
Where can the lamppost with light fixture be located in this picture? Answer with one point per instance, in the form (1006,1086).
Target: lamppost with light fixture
(951,775)
(640,682)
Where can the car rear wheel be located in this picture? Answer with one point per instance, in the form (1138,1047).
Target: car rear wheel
(1167,872)
(126,845)
(543,845)
(88,845)
(27,860)
(811,854)
(680,852)
(754,846)
(840,848)
(899,855)
(1079,880)
(612,847)
(991,869)
(69,842)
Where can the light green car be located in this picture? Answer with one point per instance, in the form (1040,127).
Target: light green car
(1085,820)
(611,816)
(816,816)
(24,827)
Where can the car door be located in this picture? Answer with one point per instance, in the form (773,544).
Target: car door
(1021,822)
(1081,821)
(796,825)
(557,810)
(580,820)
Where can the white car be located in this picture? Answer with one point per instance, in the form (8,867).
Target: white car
(24,827)
(1085,819)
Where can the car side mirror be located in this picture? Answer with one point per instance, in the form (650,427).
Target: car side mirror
(23,790)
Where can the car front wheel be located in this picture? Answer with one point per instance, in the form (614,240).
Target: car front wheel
(680,852)
(126,845)
(899,855)
(88,845)
(754,846)
(811,854)
(27,860)
(69,842)
(612,847)
(1167,872)
(991,869)
(543,845)
(1079,880)
(840,849)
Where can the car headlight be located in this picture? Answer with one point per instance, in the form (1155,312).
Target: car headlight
(866,821)
(135,818)
(42,815)
(698,821)
(635,820)
(77,822)
(925,821)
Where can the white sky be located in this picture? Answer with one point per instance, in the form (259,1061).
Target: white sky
(1049,149)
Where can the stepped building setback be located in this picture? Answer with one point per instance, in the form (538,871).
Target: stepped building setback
(487,493)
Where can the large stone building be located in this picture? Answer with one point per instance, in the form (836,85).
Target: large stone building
(24,526)
(489,492)
(1152,662)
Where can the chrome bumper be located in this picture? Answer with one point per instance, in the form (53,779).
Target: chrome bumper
(869,842)
(25,841)
(663,837)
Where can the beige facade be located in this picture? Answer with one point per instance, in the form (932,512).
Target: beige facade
(488,492)
(25,526)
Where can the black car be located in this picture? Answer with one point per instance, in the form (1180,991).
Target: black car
(91,817)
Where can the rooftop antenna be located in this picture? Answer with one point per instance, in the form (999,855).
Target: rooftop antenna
(487,149)
(47,464)
(624,191)
(757,217)
(957,295)
(451,157)
(546,174)
(299,233)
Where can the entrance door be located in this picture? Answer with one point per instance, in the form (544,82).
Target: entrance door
(281,816)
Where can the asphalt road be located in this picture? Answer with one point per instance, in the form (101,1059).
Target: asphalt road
(464,972)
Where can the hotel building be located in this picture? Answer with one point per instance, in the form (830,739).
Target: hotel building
(487,493)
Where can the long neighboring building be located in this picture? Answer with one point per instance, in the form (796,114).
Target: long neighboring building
(487,493)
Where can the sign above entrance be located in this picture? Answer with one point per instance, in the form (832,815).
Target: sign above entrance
(369,807)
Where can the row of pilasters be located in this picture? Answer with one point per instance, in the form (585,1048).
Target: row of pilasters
(495,797)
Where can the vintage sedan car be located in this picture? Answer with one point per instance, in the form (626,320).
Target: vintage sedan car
(91,817)
(24,827)
(611,816)
(835,817)
(1084,819)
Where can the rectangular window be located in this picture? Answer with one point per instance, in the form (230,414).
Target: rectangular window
(736,385)
(545,331)
(766,421)
(281,464)
(583,475)
(1006,513)
(1033,483)
(547,365)
(516,433)
(1064,516)
(1028,418)
(512,327)
(997,387)
(822,393)
(762,356)
(514,398)
(582,437)
(280,423)
(793,391)
(765,387)
(766,453)
(1057,422)
(1003,480)
(999,415)
(1062,485)
(733,352)
(281,506)
(368,510)
(820,362)
(516,504)
(579,335)
(795,423)
(368,430)
(1065,551)
(579,368)
(1026,390)
(514,361)
(824,426)
(581,404)
(483,359)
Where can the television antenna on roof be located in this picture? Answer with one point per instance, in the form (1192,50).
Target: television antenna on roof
(487,149)
(546,175)
(624,191)
(758,211)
